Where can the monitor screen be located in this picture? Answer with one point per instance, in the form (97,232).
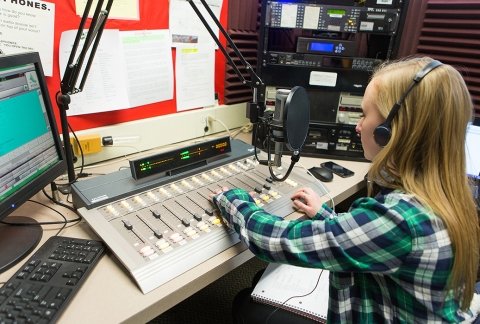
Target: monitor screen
(472,143)
(31,154)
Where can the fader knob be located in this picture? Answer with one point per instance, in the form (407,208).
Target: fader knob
(157,234)
(127,225)
(156,213)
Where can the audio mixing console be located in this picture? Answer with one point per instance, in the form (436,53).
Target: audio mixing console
(160,228)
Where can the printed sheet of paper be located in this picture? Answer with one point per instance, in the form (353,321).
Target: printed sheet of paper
(27,26)
(130,69)
(121,9)
(149,65)
(186,27)
(105,88)
(195,77)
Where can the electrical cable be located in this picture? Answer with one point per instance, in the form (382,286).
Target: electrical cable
(247,128)
(55,201)
(296,296)
(63,223)
(294,159)
(221,123)
(80,148)
(332,202)
(65,187)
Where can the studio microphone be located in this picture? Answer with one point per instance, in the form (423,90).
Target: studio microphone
(289,124)
(277,125)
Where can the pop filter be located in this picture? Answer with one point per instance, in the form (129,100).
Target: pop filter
(297,118)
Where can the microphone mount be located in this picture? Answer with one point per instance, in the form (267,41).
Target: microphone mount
(73,69)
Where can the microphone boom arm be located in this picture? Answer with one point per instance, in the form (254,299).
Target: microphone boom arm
(95,31)
(72,72)
(257,106)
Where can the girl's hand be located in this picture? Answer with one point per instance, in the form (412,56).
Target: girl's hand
(307,201)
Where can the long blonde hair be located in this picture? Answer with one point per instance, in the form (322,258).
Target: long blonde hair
(426,156)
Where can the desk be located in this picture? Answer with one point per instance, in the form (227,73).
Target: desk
(109,295)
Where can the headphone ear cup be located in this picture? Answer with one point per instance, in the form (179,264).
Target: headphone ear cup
(382,134)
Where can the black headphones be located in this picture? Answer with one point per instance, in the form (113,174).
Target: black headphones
(383,132)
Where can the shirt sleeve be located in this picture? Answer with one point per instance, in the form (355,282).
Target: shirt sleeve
(370,237)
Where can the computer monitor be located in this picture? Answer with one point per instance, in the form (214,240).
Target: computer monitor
(472,143)
(31,154)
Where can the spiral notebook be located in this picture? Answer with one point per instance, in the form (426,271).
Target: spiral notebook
(295,289)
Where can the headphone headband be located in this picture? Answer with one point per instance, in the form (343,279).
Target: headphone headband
(383,132)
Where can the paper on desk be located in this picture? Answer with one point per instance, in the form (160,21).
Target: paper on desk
(121,9)
(186,27)
(130,69)
(195,77)
(28,28)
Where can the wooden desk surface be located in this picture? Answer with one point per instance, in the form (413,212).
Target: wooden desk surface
(110,295)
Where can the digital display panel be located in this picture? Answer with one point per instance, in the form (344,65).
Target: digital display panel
(337,62)
(336,12)
(176,159)
(321,47)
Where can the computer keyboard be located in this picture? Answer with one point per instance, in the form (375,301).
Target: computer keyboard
(44,286)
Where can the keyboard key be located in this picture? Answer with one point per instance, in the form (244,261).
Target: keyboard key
(42,289)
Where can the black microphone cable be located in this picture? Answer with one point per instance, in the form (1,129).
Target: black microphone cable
(266,124)
(295,158)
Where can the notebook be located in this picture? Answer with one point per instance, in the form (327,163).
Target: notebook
(303,291)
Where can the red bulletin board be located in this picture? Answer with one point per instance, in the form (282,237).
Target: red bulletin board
(153,15)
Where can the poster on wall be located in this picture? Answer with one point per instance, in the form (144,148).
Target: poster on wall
(27,26)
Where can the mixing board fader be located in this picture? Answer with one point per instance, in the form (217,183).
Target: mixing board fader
(166,230)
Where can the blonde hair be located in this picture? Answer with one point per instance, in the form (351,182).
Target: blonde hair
(426,156)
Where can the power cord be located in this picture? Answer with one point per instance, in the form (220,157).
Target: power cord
(212,119)
(63,223)
(247,128)
(65,187)
(56,200)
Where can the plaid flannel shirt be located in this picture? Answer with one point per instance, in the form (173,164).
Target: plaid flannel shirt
(389,256)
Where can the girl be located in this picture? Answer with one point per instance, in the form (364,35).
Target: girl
(408,252)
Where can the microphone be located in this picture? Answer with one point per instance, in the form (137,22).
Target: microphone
(277,124)
(292,118)
(290,121)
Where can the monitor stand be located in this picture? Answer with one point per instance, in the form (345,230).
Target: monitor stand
(17,241)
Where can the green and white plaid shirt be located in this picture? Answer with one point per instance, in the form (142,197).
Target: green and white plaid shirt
(389,256)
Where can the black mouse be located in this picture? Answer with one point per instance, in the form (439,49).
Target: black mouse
(322,174)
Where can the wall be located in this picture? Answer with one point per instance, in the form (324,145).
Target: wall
(144,134)
(155,124)
(448,31)
(153,15)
